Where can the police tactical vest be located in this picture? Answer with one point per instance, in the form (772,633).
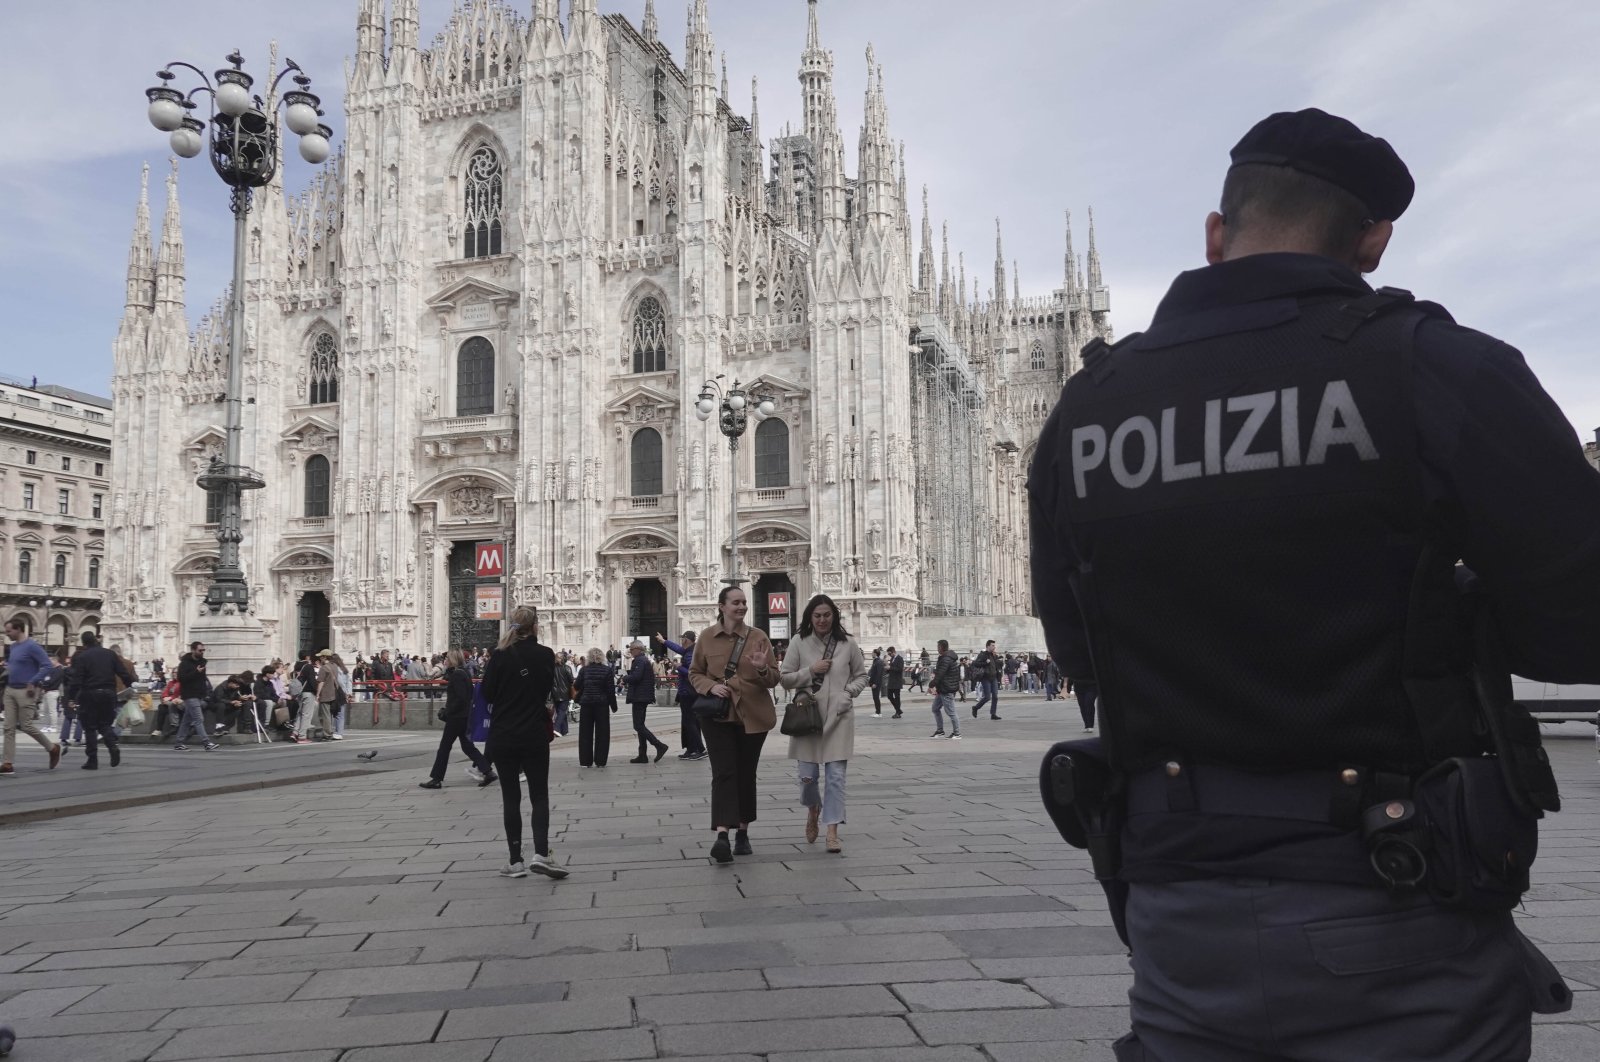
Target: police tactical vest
(1243,488)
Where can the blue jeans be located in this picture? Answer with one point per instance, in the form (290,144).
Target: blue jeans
(194,719)
(947,703)
(989,693)
(831,798)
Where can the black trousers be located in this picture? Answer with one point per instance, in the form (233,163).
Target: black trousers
(96,711)
(690,731)
(735,756)
(877,701)
(455,731)
(1222,970)
(511,762)
(646,739)
(594,735)
(1086,704)
(893,693)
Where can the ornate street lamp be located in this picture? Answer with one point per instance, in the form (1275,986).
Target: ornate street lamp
(244,152)
(736,407)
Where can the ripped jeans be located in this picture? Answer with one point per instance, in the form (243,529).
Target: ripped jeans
(831,797)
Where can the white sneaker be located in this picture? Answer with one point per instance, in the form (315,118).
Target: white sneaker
(955,737)
(475,774)
(335,737)
(544,865)
(514,870)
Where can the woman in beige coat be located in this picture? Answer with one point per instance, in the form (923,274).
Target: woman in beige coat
(735,745)
(839,677)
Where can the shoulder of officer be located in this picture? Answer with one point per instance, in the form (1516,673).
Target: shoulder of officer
(1095,358)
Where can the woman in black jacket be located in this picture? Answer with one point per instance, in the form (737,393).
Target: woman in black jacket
(517,683)
(457,720)
(597,691)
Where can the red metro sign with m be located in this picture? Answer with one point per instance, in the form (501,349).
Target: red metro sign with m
(491,560)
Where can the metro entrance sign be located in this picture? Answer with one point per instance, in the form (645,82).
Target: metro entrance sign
(491,560)
(778,617)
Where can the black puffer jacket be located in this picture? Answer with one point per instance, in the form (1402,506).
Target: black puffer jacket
(517,683)
(457,695)
(596,689)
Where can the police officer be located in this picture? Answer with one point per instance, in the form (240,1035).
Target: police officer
(92,682)
(1246,522)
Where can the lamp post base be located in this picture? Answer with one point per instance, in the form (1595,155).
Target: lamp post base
(235,642)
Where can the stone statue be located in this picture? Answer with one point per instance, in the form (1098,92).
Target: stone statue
(875,542)
(830,460)
(508,399)
(430,403)
(569,302)
(572,562)
(591,586)
(694,290)
(383,562)
(830,546)
(352,329)
(452,227)
(388,324)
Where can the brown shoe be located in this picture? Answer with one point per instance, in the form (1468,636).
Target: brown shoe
(6,768)
(55,755)
(811,825)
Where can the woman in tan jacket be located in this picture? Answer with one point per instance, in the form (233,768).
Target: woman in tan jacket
(735,746)
(824,656)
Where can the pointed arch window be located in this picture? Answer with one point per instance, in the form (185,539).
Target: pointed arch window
(772,454)
(318,485)
(475,378)
(25,566)
(324,370)
(484,197)
(94,573)
(649,336)
(646,463)
(1036,359)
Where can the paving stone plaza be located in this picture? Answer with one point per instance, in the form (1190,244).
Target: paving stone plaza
(360,919)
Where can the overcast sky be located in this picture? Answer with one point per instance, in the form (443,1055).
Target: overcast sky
(1013,108)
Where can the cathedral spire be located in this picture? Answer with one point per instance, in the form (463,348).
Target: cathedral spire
(999,267)
(141,257)
(925,276)
(724,75)
(652,28)
(961,292)
(876,170)
(403,24)
(699,54)
(1071,288)
(946,291)
(369,34)
(816,82)
(1016,283)
(169,258)
(1095,282)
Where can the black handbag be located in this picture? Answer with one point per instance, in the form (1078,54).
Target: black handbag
(803,716)
(709,709)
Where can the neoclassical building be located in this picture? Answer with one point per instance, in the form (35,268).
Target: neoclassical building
(490,316)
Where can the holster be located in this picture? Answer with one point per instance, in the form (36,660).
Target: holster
(1481,843)
(1085,799)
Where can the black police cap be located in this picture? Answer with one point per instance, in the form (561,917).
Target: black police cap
(1323,145)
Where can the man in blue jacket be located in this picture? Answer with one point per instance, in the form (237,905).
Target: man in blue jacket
(26,664)
(641,685)
(694,746)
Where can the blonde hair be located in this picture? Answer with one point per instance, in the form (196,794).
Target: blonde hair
(524,624)
(595,656)
(454,658)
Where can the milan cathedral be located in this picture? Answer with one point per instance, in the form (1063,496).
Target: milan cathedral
(488,319)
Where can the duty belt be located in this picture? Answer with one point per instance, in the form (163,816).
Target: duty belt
(1334,796)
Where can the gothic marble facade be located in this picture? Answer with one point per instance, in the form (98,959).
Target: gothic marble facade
(490,316)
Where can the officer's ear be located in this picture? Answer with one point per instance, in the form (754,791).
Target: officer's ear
(1216,227)
(1374,241)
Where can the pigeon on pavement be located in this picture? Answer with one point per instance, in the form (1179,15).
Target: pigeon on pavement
(367,755)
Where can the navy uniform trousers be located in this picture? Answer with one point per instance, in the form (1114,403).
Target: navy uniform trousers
(1257,970)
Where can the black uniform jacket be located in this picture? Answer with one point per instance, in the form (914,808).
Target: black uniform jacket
(1505,487)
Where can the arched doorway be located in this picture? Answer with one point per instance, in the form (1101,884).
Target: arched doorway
(775,583)
(467,631)
(313,633)
(647,609)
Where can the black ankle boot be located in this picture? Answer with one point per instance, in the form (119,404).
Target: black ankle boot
(721,852)
(741,843)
